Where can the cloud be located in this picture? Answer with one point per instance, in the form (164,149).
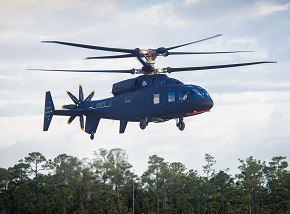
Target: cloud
(191,2)
(268,7)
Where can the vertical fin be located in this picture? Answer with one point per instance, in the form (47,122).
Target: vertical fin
(91,124)
(48,111)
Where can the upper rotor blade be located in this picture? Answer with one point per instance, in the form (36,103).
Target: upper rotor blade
(170,70)
(123,50)
(218,52)
(130,71)
(112,57)
(178,46)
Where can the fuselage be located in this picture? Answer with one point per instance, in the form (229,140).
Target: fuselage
(154,96)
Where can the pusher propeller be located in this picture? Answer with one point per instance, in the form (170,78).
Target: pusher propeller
(77,104)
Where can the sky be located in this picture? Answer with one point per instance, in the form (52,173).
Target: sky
(251,113)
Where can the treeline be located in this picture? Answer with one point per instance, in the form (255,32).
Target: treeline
(107,184)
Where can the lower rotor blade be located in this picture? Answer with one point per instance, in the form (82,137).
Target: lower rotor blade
(90,96)
(170,70)
(74,99)
(82,122)
(81,93)
(71,119)
(131,71)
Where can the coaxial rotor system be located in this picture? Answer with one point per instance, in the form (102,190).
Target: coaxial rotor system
(147,58)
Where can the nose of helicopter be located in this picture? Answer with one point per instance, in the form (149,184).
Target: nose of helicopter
(203,105)
(207,104)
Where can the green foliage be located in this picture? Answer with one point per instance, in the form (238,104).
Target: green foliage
(107,184)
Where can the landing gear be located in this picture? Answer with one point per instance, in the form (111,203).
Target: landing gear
(143,123)
(180,124)
(92,136)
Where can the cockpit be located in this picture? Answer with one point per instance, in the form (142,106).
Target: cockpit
(197,91)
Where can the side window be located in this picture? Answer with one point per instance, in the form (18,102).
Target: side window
(182,95)
(156,99)
(171,97)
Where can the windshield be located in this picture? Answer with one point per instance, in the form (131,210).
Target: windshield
(198,91)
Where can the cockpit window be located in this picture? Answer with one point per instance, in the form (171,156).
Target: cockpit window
(182,95)
(200,92)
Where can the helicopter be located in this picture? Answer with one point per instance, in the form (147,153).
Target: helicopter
(150,97)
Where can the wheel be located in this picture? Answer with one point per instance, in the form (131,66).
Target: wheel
(142,124)
(92,136)
(181,125)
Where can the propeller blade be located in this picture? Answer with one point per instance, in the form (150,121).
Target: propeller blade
(81,93)
(113,56)
(82,122)
(90,96)
(130,71)
(218,52)
(71,119)
(74,99)
(122,50)
(70,106)
(170,70)
(178,46)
